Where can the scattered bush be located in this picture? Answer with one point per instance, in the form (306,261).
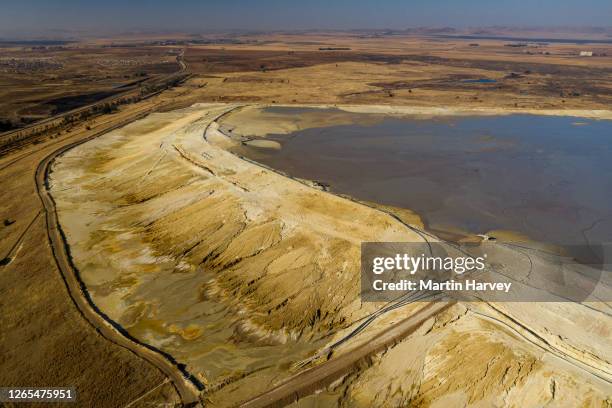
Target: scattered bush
(6,125)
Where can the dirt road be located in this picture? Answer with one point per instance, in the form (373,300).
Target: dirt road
(318,377)
(186,386)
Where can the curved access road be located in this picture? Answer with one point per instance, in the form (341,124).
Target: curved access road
(316,378)
(187,386)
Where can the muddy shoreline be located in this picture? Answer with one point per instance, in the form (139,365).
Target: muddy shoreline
(335,137)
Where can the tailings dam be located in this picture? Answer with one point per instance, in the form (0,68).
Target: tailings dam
(546,177)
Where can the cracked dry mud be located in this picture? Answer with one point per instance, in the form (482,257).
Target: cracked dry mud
(240,273)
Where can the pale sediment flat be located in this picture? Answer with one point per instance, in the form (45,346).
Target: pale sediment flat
(266,144)
(257,120)
(240,273)
(488,111)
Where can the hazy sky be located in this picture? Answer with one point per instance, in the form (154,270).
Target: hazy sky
(30,16)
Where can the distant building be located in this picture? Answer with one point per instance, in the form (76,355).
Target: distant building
(586,53)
